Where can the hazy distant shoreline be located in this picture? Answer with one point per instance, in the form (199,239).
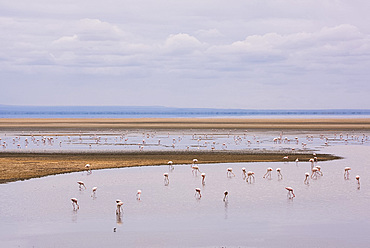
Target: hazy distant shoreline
(12,111)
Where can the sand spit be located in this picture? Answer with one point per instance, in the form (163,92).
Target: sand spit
(21,166)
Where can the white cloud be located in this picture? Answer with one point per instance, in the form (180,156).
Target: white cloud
(182,44)
(240,43)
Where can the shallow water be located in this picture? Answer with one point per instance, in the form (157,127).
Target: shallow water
(329,212)
(152,140)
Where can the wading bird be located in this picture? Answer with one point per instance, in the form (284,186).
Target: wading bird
(268,173)
(93,194)
(280,176)
(314,174)
(244,173)
(119,207)
(166,179)
(226,195)
(307,178)
(250,175)
(195,161)
(346,172)
(230,172)
(138,195)
(319,172)
(203,178)
(195,169)
(358,179)
(197,193)
(81,184)
(74,203)
(290,194)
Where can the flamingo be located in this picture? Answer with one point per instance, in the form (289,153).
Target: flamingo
(74,203)
(170,165)
(250,175)
(81,184)
(296,160)
(290,194)
(314,173)
(138,195)
(286,158)
(280,176)
(195,169)
(226,195)
(94,191)
(244,172)
(230,172)
(195,161)
(197,193)
(268,173)
(119,206)
(307,178)
(312,161)
(166,179)
(319,170)
(203,178)
(358,179)
(346,172)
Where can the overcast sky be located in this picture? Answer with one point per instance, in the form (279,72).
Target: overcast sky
(253,54)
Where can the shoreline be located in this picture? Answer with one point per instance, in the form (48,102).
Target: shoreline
(22,166)
(15,166)
(183,123)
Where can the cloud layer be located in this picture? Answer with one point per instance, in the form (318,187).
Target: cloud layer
(255,54)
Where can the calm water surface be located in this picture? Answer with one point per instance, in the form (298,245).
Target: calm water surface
(329,212)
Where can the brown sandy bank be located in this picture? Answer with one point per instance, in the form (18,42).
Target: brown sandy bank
(21,166)
(183,123)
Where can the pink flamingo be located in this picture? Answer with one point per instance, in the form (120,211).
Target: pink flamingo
(314,173)
(197,193)
(307,178)
(250,175)
(195,161)
(119,206)
(138,195)
(94,191)
(290,194)
(358,179)
(195,169)
(268,173)
(319,170)
(226,195)
(280,176)
(244,173)
(203,178)
(346,172)
(74,203)
(230,172)
(166,179)
(81,184)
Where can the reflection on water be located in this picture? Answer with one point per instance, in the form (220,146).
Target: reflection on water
(328,212)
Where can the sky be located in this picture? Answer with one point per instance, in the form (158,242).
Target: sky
(249,54)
